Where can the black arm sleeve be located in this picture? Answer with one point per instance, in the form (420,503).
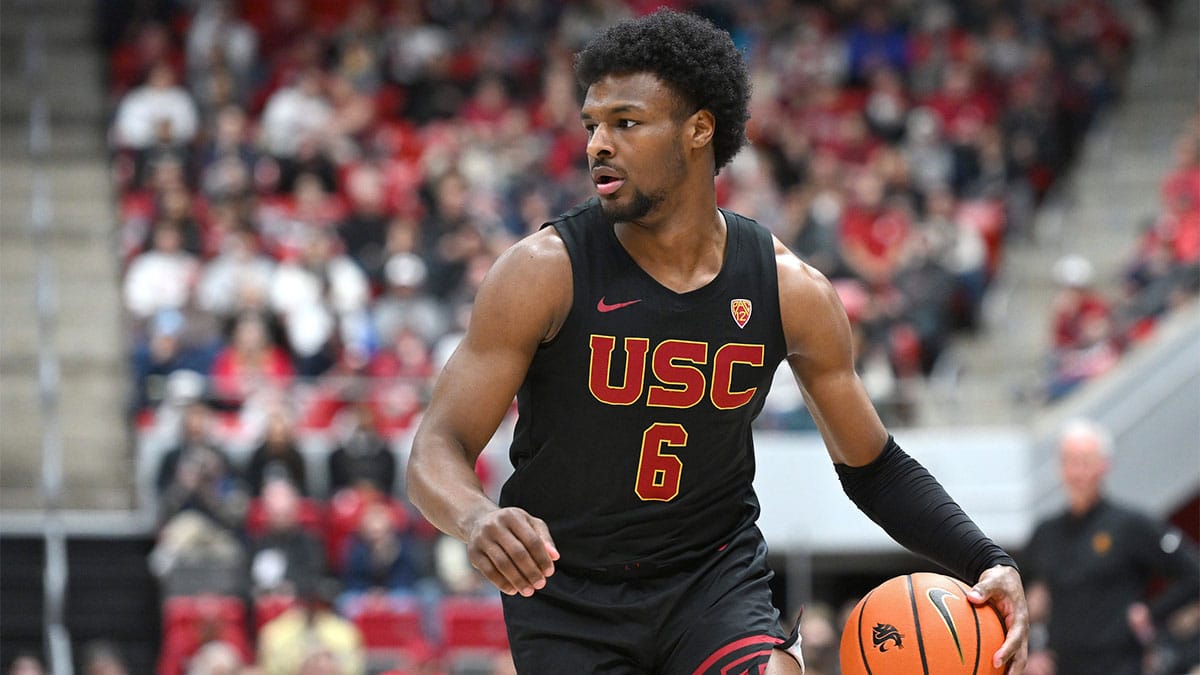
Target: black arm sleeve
(903,498)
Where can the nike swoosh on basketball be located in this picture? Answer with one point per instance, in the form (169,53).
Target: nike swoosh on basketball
(605,307)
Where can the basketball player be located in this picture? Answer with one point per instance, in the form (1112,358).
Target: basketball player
(639,333)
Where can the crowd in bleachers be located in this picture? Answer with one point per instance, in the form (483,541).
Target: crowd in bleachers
(1093,329)
(309,193)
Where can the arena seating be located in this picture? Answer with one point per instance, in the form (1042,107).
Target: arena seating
(322,132)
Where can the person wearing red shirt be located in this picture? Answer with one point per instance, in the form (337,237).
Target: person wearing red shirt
(250,364)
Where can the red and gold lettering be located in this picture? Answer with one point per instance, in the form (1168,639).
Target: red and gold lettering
(630,389)
(722,380)
(658,472)
(685,383)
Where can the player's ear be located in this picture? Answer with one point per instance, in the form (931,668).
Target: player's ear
(700,127)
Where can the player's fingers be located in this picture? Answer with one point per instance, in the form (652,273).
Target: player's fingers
(1002,587)
(481,560)
(540,544)
(516,551)
(494,559)
(1014,650)
(535,553)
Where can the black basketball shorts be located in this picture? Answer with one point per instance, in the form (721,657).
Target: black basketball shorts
(715,617)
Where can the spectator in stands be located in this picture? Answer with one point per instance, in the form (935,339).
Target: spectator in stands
(1077,302)
(875,41)
(162,277)
(354,117)
(296,113)
(218,38)
(237,278)
(364,231)
(1090,566)
(285,557)
(309,636)
(926,151)
(197,475)
(959,249)
(449,234)
(874,231)
(277,456)
(175,204)
(1156,283)
(887,104)
(138,40)
(165,350)
(216,657)
(363,459)
(158,110)
(405,305)
(1165,271)
(287,221)
(227,160)
(920,304)
(380,559)
(250,367)
(322,299)
(195,554)
(1084,340)
(401,374)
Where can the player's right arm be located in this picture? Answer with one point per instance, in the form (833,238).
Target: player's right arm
(521,304)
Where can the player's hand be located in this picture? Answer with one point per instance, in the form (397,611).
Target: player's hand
(1001,585)
(513,550)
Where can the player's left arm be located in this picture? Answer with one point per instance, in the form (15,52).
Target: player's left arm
(890,487)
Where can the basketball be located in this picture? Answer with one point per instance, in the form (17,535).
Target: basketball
(920,624)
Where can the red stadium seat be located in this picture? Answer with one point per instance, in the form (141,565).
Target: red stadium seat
(393,632)
(312,517)
(270,605)
(190,621)
(473,632)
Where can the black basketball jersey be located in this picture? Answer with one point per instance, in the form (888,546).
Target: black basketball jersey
(633,440)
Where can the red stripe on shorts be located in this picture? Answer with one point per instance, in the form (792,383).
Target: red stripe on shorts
(721,653)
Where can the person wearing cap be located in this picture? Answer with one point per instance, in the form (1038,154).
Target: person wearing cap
(1084,343)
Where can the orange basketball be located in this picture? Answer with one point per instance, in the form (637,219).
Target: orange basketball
(921,624)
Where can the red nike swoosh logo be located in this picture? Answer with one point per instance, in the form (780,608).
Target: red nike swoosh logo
(605,307)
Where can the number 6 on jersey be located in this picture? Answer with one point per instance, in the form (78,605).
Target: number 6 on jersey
(659,472)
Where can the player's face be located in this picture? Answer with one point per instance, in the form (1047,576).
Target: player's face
(635,144)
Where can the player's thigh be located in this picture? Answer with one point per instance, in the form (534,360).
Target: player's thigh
(782,663)
(734,631)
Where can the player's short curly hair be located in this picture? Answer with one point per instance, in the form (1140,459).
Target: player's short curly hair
(695,58)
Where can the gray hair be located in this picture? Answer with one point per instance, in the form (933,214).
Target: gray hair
(1084,428)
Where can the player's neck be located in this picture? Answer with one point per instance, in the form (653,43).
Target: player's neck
(682,252)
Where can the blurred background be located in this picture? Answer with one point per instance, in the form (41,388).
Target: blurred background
(239,239)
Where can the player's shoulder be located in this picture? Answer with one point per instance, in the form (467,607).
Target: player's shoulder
(799,281)
(539,255)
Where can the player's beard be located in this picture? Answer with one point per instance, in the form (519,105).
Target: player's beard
(636,209)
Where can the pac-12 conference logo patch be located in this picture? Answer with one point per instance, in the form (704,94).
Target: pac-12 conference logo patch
(740,308)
